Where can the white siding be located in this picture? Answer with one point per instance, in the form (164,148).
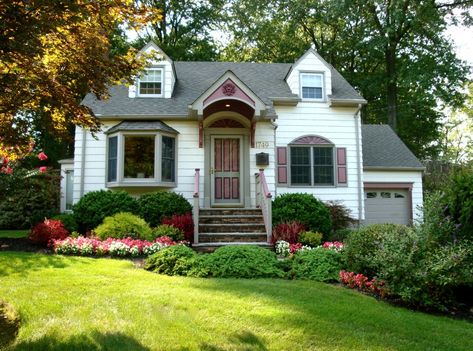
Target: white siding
(335,124)
(414,177)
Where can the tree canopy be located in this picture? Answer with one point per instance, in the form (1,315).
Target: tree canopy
(52,54)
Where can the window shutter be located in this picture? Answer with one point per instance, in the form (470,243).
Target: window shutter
(342,166)
(282,165)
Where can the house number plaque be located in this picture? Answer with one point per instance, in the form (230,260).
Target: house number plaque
(262,145)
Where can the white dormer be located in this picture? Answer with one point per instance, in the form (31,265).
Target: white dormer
(310,77)
(158,79)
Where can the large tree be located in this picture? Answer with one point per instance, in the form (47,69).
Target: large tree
(394,51)
(184,31)
(52,54)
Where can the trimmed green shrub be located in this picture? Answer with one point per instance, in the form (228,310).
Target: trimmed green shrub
(174,233)
(26,200)
(93,207)
(339,215)
(68,220)
(172,260)
(362,244)
(124,225)
(303,208)
(240,262)
(9,324)
(310,238)
(153,207)
(318,264)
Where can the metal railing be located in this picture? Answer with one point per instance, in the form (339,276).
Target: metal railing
(263,201)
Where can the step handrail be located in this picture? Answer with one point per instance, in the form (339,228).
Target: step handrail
(264,201)
(195,209)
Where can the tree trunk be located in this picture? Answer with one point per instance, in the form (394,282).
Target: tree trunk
(390,56)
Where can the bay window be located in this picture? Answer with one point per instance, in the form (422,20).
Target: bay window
(141,159)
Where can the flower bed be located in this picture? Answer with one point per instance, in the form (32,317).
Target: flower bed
(362,283)
(285,249)
(83,246)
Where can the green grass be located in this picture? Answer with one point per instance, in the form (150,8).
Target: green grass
(72,303)
(14,233)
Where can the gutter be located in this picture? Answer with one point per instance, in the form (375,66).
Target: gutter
(358,162)
(384,168)
(82,164)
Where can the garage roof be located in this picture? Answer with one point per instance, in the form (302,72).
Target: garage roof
(383,149)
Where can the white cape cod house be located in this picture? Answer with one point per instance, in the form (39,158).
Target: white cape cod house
(234,135)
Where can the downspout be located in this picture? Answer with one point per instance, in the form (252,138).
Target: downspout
(82,164)
(358,162)
(275,126)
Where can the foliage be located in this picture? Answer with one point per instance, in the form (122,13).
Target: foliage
(240,262)
(114,247)
(27,199)
(123,225)
(339,215)
(53,54)
(362,283)
(94,206)
(184,33)
(173,260)
(340,235)
(174,233)
(287,231)
(310,238)
(303,208)
(459,199)
(44,232)
(401,44)
(68,220)
(318,264)
(183,222)
(9,324)
(362,245)
(153,207)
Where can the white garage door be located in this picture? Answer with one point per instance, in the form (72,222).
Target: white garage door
(387,206)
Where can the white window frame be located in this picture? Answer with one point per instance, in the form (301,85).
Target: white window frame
(311,166)
(121,181)
(138,83)
(322,76)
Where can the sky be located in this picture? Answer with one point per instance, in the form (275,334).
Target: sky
(463,41)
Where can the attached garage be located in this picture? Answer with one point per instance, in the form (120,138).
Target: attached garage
(392,178)
(387,205)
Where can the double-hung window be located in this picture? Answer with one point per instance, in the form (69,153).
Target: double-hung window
(150,83)
(312,86)
(141,159)
(312,165)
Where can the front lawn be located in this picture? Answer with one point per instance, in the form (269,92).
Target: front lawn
(73,303)
(14,233)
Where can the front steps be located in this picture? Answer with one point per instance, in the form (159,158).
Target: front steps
(230,226)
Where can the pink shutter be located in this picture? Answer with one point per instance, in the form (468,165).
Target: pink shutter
(282,165)
(342,166)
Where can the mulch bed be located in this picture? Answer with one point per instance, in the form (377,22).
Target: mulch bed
(20,244)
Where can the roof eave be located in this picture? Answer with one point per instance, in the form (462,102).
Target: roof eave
(285,101)
(347,102)
(395,168)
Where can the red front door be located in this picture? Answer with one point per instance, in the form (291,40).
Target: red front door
(225,170)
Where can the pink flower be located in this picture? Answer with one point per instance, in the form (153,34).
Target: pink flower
(43,169)
(42,156)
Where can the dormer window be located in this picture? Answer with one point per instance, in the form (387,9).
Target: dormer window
(312,86)
(150,83)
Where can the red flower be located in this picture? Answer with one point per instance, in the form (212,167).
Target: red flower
(42,156)
(43,169)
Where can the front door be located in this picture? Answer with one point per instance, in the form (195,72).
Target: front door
(225,171)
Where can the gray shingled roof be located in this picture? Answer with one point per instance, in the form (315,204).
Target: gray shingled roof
(382,148)
(266,80)
(142,126)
